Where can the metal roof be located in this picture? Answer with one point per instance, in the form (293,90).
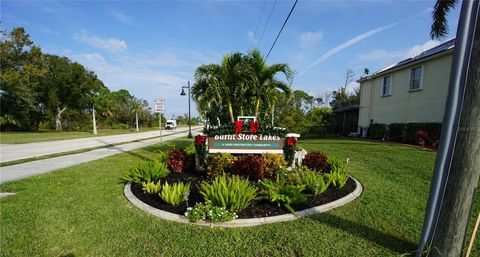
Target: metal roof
(443,47)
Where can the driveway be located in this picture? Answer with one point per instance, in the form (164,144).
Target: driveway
(12,152)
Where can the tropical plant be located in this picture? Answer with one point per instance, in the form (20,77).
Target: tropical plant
(283,193)
(338,172)
(219,163)
(273,163)
(146,171)
(264,83)
(174,194)
(249,165)
(232,193)
(314,183)
(151,187)
(178,160)
(206,211)
(316,161)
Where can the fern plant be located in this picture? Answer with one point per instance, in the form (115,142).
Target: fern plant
(151,187)
(338,172)
(146,171)
(232,193)
(174,194)
(314,183)
(283,193)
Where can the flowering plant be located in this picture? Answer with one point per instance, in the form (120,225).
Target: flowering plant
(238,127)
(289,149)
(254,125)
(292,141)
(201,147)
(206,211)
(200,139)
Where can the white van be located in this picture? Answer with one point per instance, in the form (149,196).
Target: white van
(171,124)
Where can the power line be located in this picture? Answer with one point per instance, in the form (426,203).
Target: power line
(258,21)
(280,32)
(268,20)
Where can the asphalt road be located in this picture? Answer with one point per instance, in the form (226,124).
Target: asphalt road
(12,152)
(28,169)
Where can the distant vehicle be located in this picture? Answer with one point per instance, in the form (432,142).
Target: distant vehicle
(171,124)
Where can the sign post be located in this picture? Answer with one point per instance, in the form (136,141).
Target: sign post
(160,108)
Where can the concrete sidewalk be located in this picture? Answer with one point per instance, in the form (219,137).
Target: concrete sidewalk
(12,152)
(28,169)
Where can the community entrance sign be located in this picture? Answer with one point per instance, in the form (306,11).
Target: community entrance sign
(245,143)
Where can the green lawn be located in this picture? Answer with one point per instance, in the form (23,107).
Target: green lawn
(81,211)
(47,135)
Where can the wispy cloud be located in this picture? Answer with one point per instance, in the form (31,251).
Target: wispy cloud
(308,39)
(383,58)
(121,17)
(347,44)
(112,45)
(251,38)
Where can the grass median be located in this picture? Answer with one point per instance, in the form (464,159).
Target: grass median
(81,211)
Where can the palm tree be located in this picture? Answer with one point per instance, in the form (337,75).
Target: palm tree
(222,84)
(263,81)
(136,106)
(439,26)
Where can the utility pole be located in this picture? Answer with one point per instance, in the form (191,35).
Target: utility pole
(457,168)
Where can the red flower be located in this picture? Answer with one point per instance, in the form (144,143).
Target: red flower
(292,141)
(254,125)
(238,127)
(200,139)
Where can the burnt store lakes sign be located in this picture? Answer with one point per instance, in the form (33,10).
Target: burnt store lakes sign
(244,143)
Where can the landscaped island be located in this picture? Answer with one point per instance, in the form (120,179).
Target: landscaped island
(243,170)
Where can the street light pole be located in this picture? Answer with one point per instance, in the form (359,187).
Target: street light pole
(189,113)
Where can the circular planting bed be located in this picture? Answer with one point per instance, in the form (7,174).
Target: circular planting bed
(257,213)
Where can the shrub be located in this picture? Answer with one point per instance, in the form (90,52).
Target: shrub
(151,187)
(314,183)
(433,129)
(376,131)
(190,150)
(174,194)
(146,171)
(315,161)
(249,165)
(396,131)
(233,193)
(201,147)
(283,193)
(338,172)
(273,163)
(178,160)
(219,163)
(289,149)
(202,211)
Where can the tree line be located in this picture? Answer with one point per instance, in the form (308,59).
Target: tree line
(39,90)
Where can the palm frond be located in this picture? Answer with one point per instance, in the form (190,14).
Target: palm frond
(439,26)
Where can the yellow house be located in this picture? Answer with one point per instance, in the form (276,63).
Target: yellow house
(412,90)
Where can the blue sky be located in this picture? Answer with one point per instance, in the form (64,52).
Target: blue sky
(152,48)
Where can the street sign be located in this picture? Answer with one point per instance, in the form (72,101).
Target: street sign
(159,105)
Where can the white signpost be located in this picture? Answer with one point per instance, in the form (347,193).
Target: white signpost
(160,109)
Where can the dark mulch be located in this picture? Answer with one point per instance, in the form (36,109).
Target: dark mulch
(260,208)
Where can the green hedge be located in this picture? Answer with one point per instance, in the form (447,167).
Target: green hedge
(402,132)
(376,131)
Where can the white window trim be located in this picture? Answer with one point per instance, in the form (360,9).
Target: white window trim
(421,79)
(391,85)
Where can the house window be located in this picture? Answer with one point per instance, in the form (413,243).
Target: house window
(387,86)
(416,75)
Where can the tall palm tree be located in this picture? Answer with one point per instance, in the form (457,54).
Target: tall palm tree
(136,106)
(222,84)
(263,81)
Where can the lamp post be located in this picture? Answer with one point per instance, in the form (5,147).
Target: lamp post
(189,118)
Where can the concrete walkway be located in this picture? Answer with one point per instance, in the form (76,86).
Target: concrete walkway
(12,152)
(28,169)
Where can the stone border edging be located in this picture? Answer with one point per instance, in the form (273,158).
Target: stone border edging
(243,222)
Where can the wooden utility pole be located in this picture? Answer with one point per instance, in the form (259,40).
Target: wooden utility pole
(449,231)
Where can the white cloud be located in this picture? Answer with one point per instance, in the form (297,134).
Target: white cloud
(251,38)
(384,58)
(347,44)
(112,45)
(121,17)
(308,39)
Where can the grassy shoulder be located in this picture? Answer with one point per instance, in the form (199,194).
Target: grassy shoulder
(47,135)
(81,211)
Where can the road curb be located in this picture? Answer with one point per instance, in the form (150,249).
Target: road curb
(243,222)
